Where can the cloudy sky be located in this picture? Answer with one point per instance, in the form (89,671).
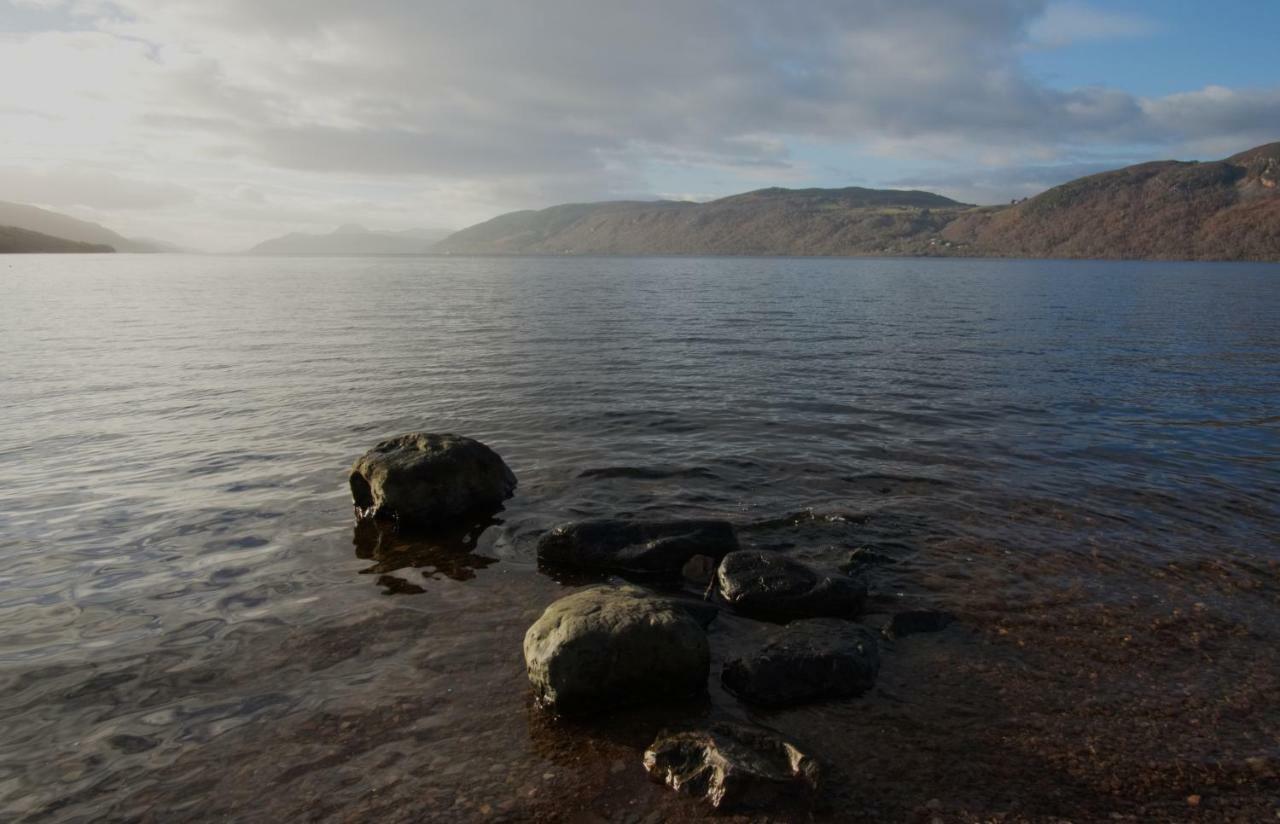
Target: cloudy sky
(218,123)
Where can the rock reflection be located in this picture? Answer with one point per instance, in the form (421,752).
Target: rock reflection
(440,554)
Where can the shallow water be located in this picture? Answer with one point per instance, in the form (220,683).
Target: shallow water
(1078,459)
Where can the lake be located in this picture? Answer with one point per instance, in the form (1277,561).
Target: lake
(1081,460)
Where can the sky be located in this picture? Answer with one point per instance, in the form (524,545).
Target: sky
(216,124)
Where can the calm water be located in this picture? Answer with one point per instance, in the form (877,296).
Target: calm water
(1082,460)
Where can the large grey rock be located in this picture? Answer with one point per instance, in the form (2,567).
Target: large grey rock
(773,586)
(658,548)
(805,661)
(429,480)
(607,646)
(733,766)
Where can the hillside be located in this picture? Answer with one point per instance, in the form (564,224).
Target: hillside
(44,222)
(20,241)
(352,240)
(766,222)
(1219,210)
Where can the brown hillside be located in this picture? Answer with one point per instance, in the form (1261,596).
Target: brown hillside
(1220,210)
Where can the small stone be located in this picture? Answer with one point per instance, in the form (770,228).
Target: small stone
(812,660)
(650,548)
(1193,800)
(917,621)
(732,766)
(699,569)
(772,586)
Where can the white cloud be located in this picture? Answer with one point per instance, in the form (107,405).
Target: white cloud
(1064,23)
(447,112)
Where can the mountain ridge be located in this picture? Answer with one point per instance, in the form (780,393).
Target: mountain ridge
(65,227)
(1164,210)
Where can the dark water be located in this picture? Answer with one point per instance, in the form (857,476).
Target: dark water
(1079,459)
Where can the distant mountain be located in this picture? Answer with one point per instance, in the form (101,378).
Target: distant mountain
(14,241)
(765,222)
(1166,210)
(352,239)
(1221,210)
(34,219)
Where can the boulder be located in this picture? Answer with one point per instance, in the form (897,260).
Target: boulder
(775,587)
(805,661)
(657,548)
(608,646)
(916,621)
(429,480)
(733,766)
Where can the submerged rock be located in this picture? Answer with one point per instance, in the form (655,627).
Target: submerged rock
(660,548)
(773,586)
(916,621)
(607,646)
(805,661)
(429,480)
(732,766)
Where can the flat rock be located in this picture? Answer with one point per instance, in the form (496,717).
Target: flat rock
(775,587)
(733,766)
(608,646)
(814,660)
(659,548)
(913,622)
(429,480)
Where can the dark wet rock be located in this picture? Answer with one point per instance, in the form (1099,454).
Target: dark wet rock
(805,661)
(704,612)
(608,646)
(864,558)
(916,621)
(733,766)
(773,586)
(429,480)
(699,569)
(660,548)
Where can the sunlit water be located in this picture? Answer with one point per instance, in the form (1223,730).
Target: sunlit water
(1081,460)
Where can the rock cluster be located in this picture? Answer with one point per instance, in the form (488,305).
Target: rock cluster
(608,646)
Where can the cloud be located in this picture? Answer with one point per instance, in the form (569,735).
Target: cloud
(1064,23)
(456,110)
(70,186)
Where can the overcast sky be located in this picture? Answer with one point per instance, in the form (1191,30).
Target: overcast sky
(218,123)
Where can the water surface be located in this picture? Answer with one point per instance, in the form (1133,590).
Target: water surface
(1078,459)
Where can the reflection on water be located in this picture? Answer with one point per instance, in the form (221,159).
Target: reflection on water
(1076,459)
(448,553)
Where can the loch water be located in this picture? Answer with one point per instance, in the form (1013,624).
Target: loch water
(1081,460)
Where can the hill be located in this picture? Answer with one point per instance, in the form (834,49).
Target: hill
(1219,210)
(57,225)
(765,222)
(352,240)
(20,241)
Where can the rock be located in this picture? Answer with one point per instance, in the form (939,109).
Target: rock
(659,548)
(608,646)
(805,661)
(699,569)
(773,586)
(916,621)
(429,480)
(732,766)
(863,558)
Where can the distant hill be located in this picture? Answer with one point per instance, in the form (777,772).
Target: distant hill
(15,241)
(57,225)
(765,222)
(1166,210)
(352,240)
(1221,210)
